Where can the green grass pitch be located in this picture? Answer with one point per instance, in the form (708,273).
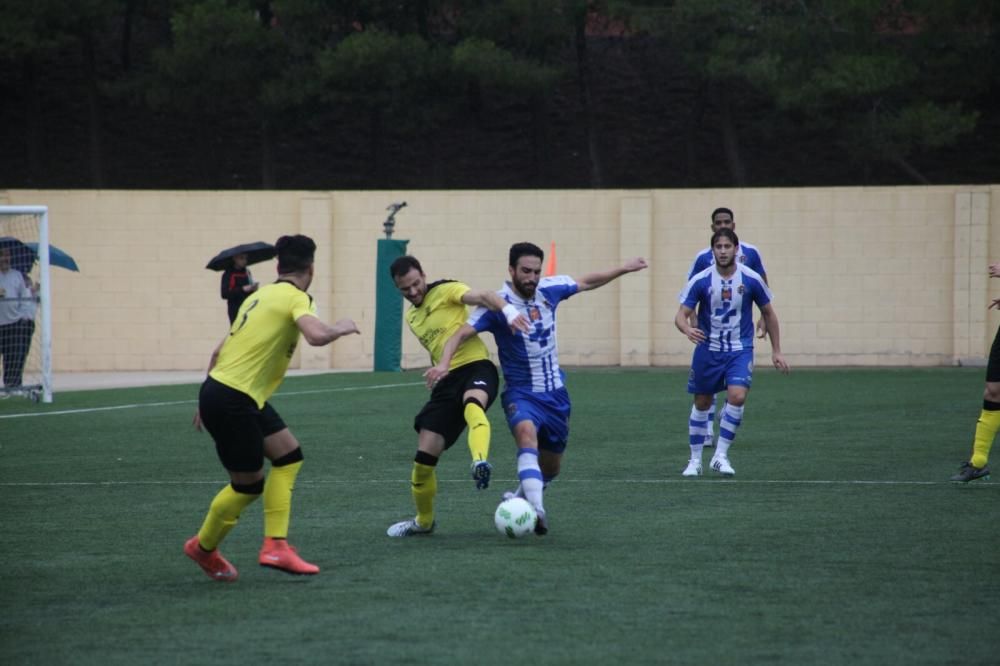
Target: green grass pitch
(840,540)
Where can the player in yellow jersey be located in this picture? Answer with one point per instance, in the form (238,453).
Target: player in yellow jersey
(989,417)
(246,368)
(462,398)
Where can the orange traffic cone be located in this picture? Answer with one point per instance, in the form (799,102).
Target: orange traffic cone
(551,268)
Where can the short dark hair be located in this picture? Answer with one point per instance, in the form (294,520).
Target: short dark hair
(728,233)
(518,250)
(295,253)
(404,265)
(723,210)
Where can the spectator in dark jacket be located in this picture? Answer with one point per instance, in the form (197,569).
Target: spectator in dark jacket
(237,284)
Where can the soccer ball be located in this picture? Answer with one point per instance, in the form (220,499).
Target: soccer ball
(515,517)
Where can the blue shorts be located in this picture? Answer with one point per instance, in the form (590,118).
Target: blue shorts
(713,371)
(548,411)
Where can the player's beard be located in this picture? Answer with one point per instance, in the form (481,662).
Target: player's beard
(417,300)
(525,289)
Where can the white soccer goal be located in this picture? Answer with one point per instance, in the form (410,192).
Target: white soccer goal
(25,307)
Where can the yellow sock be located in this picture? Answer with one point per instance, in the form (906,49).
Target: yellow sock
(479,431)
(223,514)
(278,499)
(986,431)
(423,486)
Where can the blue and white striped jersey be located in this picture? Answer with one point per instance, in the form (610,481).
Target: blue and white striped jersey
(725,306)
(529,361)
(746,254)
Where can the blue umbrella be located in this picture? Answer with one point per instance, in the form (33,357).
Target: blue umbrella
(57,257)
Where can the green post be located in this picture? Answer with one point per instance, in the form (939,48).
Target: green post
(388,307)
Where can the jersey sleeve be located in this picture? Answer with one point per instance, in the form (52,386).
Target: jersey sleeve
(302,304)
(558,287)
(756,262)
(482,319)
(453,291)
(700,263)
(761,292)
(691,293)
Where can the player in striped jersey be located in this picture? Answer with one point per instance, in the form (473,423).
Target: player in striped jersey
(724,294)
(534,399)
(746,254)
(438,310)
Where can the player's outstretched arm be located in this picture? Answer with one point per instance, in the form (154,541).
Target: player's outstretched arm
(995,270)
(601,278)
(771,322)
(318,333)
(492,301)
(682,320)
(438,372)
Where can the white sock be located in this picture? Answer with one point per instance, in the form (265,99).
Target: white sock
(530,475)
(711,422)
(730,422)
(697,426)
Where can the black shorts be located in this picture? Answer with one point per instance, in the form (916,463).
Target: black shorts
(444,413)
(993,365)
(237,425)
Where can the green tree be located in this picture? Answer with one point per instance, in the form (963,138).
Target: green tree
(873,73)
(388,77)
(518,47)
(32,34)
(231,59)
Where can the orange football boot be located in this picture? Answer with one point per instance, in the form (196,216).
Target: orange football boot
(211,562)
(278,554)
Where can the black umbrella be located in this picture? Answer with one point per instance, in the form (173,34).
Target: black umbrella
(256,253)
(21,256)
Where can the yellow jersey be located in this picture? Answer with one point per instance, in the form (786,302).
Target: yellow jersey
(262,339)
(436,319)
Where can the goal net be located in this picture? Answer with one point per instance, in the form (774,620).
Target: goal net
(25,327)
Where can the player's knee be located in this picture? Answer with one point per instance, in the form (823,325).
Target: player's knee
(736,398)
(475,415)
(289,458)
(424,458)
(254,488)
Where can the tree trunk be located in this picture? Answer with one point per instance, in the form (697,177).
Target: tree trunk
(730,139)
(95,112)
(32,123)
(267,138)
(586,100)
(375,147)
(126,45)
(694,118)
(903,165)
(539,143)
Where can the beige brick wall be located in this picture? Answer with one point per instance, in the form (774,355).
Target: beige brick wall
(861,276)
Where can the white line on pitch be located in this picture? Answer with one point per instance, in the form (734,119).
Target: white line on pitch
(687,482)
(139,405)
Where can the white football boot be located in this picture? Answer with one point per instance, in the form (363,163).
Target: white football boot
(693,468)
(720,463)
(406,528)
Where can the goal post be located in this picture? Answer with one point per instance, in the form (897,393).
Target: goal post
(25,305)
